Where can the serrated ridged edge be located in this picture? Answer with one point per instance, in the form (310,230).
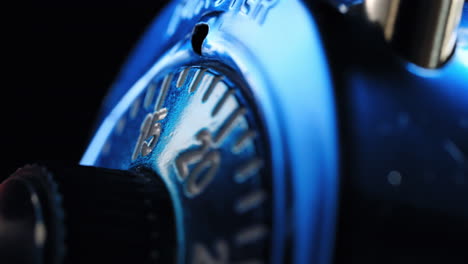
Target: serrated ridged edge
(54,197)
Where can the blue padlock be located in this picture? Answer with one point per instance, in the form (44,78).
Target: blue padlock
(274,131)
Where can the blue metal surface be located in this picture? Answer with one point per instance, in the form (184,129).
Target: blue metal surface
(301,133)
(404,142)
(403,129)
(188,116)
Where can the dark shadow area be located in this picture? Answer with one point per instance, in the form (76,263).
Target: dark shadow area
(60,58)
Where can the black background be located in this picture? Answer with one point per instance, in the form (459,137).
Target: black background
(60,58)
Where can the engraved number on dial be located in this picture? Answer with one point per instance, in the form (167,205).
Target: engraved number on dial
(223,130)
(197,166)
(150,131)
(207,163)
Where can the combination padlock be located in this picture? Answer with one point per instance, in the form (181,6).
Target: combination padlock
(267,131)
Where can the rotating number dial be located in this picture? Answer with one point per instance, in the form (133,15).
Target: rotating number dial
(198,129)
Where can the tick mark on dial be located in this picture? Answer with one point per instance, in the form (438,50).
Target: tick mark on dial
(163,93)
(230,122)
(250,201)
(121,125)
(206,82)
(249,169)
(106,148)
(221,102)
(182,77)
(197,79)
(212,86)
(135,108)
(454,151)
(251,234)
(151,90)
(246,137)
